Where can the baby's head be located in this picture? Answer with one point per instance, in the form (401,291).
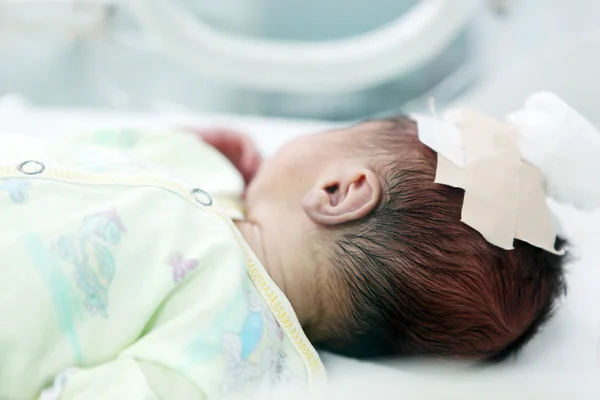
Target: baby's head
(373,256)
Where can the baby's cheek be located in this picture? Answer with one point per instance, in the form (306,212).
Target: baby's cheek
(270,175)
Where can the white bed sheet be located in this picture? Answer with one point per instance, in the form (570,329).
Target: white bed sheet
(563,361)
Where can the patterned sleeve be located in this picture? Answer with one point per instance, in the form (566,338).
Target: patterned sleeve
(179,154)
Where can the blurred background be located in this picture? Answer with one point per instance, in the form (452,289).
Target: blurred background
(317,59)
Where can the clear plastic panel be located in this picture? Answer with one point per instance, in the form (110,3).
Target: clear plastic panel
(305,20)
(114,65)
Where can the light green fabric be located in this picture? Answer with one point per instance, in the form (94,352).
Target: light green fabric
(109,264)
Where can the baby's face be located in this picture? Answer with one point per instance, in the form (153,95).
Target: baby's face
(300,163)
(274,202)
(298,198)
(285,177)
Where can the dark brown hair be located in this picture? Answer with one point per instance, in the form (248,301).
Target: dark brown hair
(418,282)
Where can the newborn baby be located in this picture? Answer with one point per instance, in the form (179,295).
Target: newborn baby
(127,267)
(378,262)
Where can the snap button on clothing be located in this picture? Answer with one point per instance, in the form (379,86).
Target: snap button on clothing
(202,197)
(31,167)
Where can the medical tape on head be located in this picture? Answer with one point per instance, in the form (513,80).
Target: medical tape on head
(504,197)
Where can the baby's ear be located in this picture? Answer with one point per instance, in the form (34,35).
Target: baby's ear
(345,194)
